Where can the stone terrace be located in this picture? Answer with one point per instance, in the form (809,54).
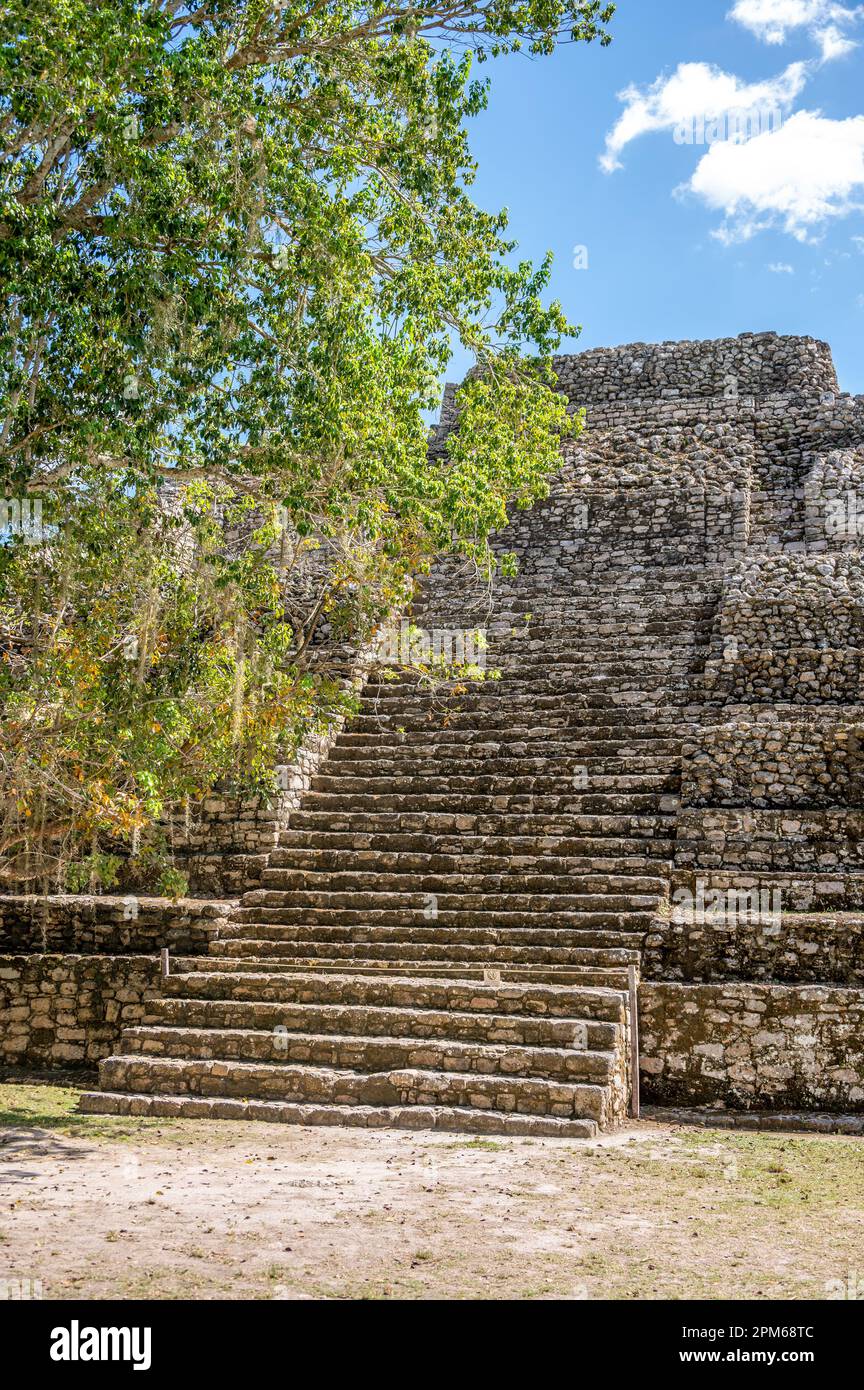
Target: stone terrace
(445,931)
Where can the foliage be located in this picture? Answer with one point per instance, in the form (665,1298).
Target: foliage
(173,883)
(236,244)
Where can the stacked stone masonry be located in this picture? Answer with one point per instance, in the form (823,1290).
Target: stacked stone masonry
(754,1046)
(672,707)
(69,1011)
(112,924)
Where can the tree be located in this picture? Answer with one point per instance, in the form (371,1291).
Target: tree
(236,243)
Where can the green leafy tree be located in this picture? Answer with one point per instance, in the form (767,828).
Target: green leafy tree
(236,245)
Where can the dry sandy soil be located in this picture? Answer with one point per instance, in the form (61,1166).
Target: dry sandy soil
(98,1207)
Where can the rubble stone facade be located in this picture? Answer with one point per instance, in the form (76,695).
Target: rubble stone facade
(670,718)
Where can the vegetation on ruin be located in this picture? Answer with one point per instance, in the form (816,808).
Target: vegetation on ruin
(237,244)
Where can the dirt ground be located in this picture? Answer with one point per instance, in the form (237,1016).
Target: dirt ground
(107,1207)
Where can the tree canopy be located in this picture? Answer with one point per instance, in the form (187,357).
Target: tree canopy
(237,243)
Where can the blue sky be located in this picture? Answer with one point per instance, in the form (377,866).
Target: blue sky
(687,240)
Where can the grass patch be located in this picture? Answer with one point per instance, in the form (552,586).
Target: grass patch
(488,1144)
(54,1108)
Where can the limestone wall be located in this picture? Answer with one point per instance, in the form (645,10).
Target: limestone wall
(834,499)
(762,758)
(799,948)
(752,1046)
(750,365)
(68,1011)
(124,924)
(770,839)
(789,628)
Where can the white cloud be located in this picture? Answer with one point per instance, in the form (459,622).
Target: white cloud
(834,44)
(773,21)
(796,178)
(781,268)
(696,91)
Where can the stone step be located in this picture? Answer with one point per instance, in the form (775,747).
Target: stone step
(572,803)
(553,626)
(396,741)
(481,699)
(451,718)
(581,611)
(519,659)
(401,1086)
(443,734)
(534,672)
(597,856)
(202,981)
(380,1020)
(486,694)
(250,930)
(370,1053)
(601,590)
(623,650)
(583,606)
(445,952)
(622,654)
(445,847)
(423,763)
(440,968)
(553,744)
(494,825)
(468,867)
(581,689)
(454,1119)
(637,860)
(445,742)
(294,887)
(580,857)
(661,598)
(428,776)
(598,632)
(469,915)
(561,719)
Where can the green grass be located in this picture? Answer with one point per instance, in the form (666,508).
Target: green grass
(53,1108)
(488,1144)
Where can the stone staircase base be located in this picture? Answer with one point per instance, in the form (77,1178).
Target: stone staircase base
(529,1057)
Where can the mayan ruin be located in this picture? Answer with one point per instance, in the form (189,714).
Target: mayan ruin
(431,675)
(663,777)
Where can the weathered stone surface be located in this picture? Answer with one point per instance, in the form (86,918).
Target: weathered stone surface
(42,995)
(753,1046)
(126,924)
(673,692)
(772,758)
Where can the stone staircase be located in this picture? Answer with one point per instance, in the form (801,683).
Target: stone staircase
(445,936)
(363,1047)
(447,931)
